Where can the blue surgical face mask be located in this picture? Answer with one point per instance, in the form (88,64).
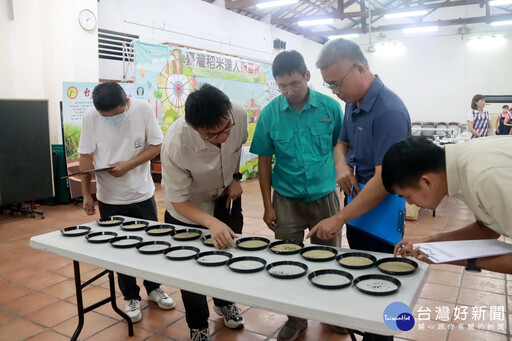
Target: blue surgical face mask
(116,120)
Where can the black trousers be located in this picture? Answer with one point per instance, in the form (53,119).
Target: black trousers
(196,306)
(142,210)
(358,239)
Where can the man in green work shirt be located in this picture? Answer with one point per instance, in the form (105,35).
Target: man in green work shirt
(301,128)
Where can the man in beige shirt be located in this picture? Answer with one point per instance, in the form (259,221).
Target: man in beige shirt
(201,181)
(478,172)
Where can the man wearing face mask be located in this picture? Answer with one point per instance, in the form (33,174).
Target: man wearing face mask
(122,133)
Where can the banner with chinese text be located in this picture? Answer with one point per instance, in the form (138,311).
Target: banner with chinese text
(171,73)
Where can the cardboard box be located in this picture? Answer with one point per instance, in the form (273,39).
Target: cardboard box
(411,212)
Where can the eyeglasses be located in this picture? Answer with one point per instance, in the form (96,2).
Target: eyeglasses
(295,86)
(212,137)
(337,87)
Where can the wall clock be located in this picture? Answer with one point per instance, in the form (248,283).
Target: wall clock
(87,19)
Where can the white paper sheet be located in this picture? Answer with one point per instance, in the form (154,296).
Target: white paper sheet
(441,252)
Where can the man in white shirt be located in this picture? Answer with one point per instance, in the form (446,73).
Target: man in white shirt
(122,133)
(478,172)
(200,176)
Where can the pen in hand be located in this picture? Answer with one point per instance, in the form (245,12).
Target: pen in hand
(231,207)
(352,188)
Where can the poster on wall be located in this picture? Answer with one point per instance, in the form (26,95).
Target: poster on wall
(76,99)
(170,73)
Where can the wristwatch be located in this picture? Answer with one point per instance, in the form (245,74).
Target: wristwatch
(471,266)
(237,176)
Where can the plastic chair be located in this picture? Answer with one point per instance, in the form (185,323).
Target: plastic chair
(415,130)
(441,129)
(455,126)
(428,133)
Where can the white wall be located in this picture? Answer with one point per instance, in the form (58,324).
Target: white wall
(200,25)
(437,77)
(42,46)
(438,73)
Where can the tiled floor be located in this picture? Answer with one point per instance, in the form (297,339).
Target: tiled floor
(37,300)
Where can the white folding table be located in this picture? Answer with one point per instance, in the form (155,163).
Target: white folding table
(297,297)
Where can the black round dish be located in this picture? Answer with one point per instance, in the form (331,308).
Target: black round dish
(75,231)
(177,232)
(319,248)
(233,261)
(168,252)
(356,254)
(159,230)
(248,239)
(400,260)
(381,280)
(200,260)
(342,273)
(285,252)
(91,237)
(204,239)
(126,226)
(303,267)
(153,242)
(104,221)
(135,241)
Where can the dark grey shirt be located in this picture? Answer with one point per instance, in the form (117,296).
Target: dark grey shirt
(371,129)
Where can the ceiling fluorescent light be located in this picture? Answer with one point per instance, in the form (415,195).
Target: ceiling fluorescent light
(501,23)
(500,2)
(326,21)
(421,29)
(276,3)
(344,36)
(405,14)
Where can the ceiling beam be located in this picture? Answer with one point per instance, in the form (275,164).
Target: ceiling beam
(241,4)
(364,25)
(382,28)
(449,22)
(341,8)
(376,12)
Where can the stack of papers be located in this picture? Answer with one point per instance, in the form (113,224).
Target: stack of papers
(442,252)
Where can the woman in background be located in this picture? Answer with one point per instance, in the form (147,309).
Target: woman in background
(503,122)
(479,121)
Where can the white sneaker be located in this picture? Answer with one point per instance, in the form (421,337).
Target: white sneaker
(132,309)
(231,315)
(162,299)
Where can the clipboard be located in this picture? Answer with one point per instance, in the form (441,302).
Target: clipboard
(90,171)
(449,251)
(386,221)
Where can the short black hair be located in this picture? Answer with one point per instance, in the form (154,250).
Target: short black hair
(108,96)
(288,62)
(407,160)
(205,107)
(505,106)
